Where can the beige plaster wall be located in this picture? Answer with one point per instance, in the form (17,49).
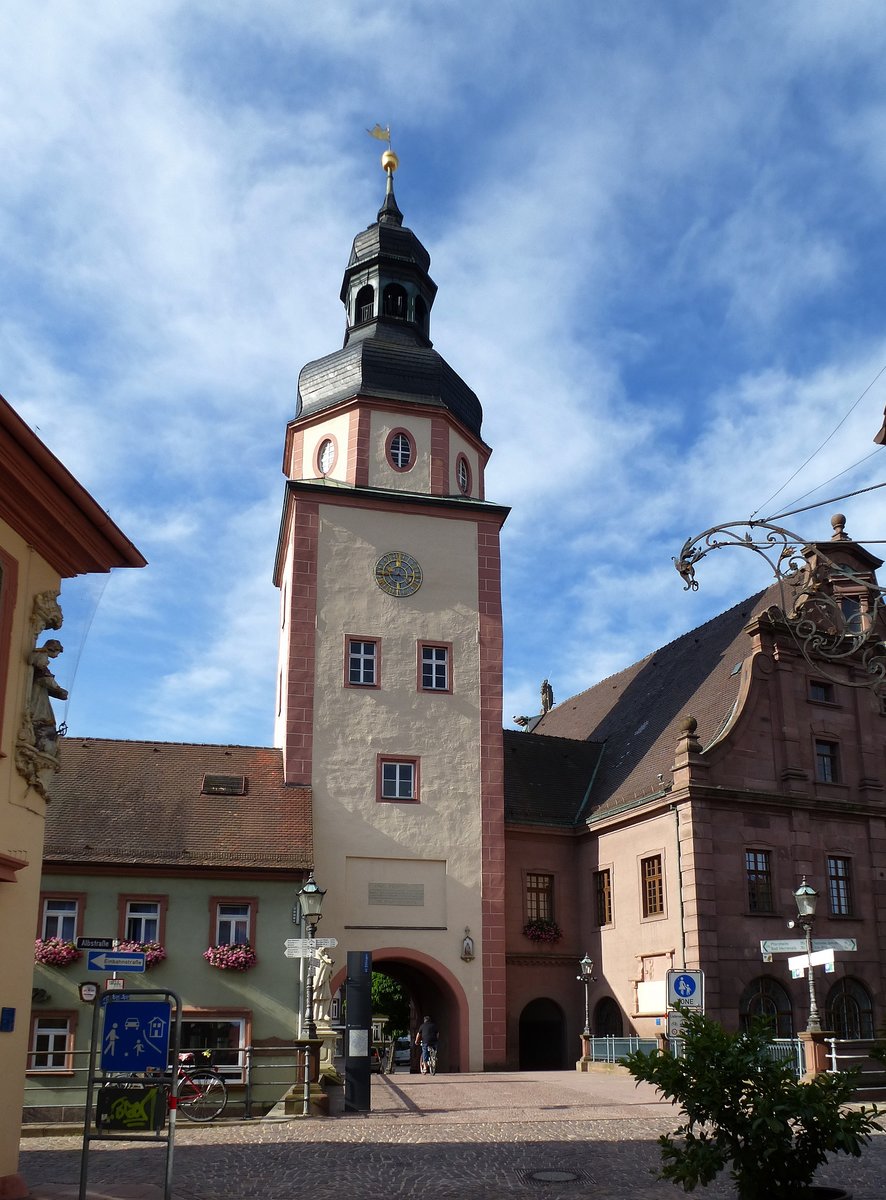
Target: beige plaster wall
(22,820)
(634,950)
(335,427)
(460,445)
(360,843)
(381,474)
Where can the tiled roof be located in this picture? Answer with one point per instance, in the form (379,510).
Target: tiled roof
(637,712)
(546,778)
(141,802)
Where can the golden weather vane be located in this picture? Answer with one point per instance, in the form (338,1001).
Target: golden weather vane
(389,160)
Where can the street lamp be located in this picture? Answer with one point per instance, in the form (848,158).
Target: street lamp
(807,898)
(586,977)
(310,897)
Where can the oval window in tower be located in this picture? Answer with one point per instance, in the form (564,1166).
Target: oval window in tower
(326,456)
(400,451)
(463,474)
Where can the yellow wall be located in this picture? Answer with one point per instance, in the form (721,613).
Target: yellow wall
(22,818)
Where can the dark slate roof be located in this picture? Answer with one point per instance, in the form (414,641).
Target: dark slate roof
(637,712)
(141,802)
(546,778)
(390,367)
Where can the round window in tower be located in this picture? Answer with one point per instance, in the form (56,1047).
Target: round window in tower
(463,474)
(400,452)
(326,456)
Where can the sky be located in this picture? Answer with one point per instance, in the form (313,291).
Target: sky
(658,231)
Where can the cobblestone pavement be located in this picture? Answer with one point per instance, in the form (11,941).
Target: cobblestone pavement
(547,1136)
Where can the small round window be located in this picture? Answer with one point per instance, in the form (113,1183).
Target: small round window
(326,456)
(400,451)
(463,474)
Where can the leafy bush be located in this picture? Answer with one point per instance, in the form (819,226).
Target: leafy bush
(745,1110)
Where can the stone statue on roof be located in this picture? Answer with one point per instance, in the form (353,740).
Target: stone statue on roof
(547,697)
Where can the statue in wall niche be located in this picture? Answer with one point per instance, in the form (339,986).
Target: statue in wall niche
(36,750)
(322,989)
(44,685)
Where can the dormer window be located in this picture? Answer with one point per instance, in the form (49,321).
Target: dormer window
(395,301)
(364,305)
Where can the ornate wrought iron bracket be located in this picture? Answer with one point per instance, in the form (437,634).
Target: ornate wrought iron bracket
(833,612)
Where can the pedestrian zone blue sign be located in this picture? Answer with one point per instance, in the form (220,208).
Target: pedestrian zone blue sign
(686,988)
(135,1034)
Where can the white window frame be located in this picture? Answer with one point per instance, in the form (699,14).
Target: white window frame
(361,658)
(402,776)
(234,919)
(433,658)
(57,1050)
(65,917)
(140,919)
(232,1072)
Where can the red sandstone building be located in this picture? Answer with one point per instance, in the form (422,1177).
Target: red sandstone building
(661,819)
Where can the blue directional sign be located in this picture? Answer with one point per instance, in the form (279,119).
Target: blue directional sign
(135,1034)
(115,960)
(686,988)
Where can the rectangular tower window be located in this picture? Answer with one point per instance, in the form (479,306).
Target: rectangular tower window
(840,886)
(603,896)
(398,779)
(539,897)
(434,666)
(652,881)
(362,662)
(758,869)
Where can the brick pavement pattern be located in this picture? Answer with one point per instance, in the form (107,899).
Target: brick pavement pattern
(546,1136)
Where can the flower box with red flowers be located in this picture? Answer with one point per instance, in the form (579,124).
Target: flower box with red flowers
(542,931)
(154,953)
(231,958)
(55,952)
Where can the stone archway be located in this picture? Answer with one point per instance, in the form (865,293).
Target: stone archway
(433,990)
(542,1036)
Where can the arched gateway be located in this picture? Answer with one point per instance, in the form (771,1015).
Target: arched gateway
(433,990)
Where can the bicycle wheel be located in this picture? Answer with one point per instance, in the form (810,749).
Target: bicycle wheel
(202,1095)
(432,1061)
(422,1065)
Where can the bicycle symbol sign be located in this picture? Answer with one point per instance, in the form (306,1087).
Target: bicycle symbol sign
(686,988)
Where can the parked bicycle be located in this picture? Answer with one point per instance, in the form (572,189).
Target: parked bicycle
(202,1091)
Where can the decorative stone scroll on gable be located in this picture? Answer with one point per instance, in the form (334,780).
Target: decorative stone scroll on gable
(36,748)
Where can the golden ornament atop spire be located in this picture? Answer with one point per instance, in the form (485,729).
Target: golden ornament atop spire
(389,160)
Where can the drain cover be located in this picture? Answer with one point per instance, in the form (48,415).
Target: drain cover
(553,1176)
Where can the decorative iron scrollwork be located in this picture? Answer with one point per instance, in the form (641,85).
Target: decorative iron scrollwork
(833,612)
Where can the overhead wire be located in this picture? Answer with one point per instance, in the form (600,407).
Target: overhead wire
(839,424)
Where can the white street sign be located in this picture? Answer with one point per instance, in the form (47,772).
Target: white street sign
(687,988)
(675,1024)
(802,961)
(798,945)
(306,947)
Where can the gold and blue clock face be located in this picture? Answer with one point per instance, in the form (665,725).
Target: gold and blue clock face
(398,574)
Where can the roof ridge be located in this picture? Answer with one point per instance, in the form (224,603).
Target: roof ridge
(73,737)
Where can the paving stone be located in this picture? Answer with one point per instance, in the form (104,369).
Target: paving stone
(546,1136)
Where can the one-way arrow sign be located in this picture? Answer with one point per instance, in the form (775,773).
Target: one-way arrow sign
(115,960)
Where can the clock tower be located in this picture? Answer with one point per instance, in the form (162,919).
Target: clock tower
(390,668)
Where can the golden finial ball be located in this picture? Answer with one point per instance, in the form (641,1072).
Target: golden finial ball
(390,161)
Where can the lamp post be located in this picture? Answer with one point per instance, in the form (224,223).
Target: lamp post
(586,965)
(807,898)
(310,897)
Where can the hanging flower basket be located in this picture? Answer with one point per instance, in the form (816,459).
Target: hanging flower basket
(153,951)
(542,931)
(55,952)
(231,958)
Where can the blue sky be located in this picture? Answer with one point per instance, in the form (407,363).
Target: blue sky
(658,234)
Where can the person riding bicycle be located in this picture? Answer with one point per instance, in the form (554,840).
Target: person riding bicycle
(427,1037)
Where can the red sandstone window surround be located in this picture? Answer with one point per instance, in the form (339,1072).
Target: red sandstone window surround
(232,920)
(142,918)
(400,450)
(61,915)
(397,779)
(539,896)
(463,475)
(362,662)
(435,666)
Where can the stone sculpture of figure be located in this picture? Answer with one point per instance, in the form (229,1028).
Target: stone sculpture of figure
(44,685)
(547,697)
(322,990)
(467,946)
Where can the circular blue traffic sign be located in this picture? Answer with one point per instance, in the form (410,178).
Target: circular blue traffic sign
(685,986)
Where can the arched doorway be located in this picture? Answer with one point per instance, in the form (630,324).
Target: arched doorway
(433,991)
(849,1010)
(542,1036)
(607,1020)
(765,997)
